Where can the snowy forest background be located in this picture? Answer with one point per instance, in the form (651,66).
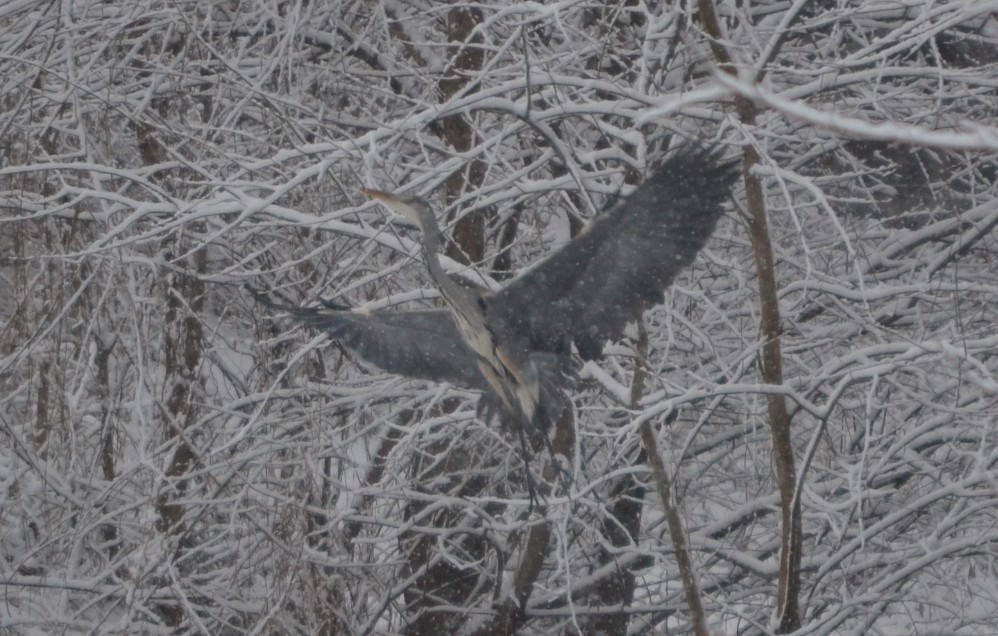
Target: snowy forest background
(176,459)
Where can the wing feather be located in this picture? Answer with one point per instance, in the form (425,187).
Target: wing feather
(418,344)
(587,292)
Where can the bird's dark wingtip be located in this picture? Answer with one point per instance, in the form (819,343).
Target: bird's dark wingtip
(328,304)
(705,172)
(261,297)
(698,155)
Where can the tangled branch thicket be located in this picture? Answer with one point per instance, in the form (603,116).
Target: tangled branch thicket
(174,459)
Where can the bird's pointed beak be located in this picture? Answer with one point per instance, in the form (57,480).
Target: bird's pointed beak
(392,202)
(378,195)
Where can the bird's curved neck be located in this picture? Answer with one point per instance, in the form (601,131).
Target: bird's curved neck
(432,236)
(455,295)
(432,246)
(448,288)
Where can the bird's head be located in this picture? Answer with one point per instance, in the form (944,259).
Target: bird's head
(413,208)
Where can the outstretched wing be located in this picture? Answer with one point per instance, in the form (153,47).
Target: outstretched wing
(418,344)
(622,263)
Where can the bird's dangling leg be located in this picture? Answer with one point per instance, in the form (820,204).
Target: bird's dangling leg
(540,426)
(556,468)
(531,486)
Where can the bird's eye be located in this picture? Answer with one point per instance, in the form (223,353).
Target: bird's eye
(481,304)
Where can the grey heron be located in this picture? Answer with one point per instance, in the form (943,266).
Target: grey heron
(516,344)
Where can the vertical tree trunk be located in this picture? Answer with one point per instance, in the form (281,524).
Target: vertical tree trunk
(770,363)
(436,579)
(466,60)
(108,437)
(182,354)
(622,530)
(42,422)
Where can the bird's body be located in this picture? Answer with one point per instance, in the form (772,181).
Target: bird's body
(517,343)
(510,375)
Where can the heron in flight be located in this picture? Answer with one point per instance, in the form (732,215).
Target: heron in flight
(516,344)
